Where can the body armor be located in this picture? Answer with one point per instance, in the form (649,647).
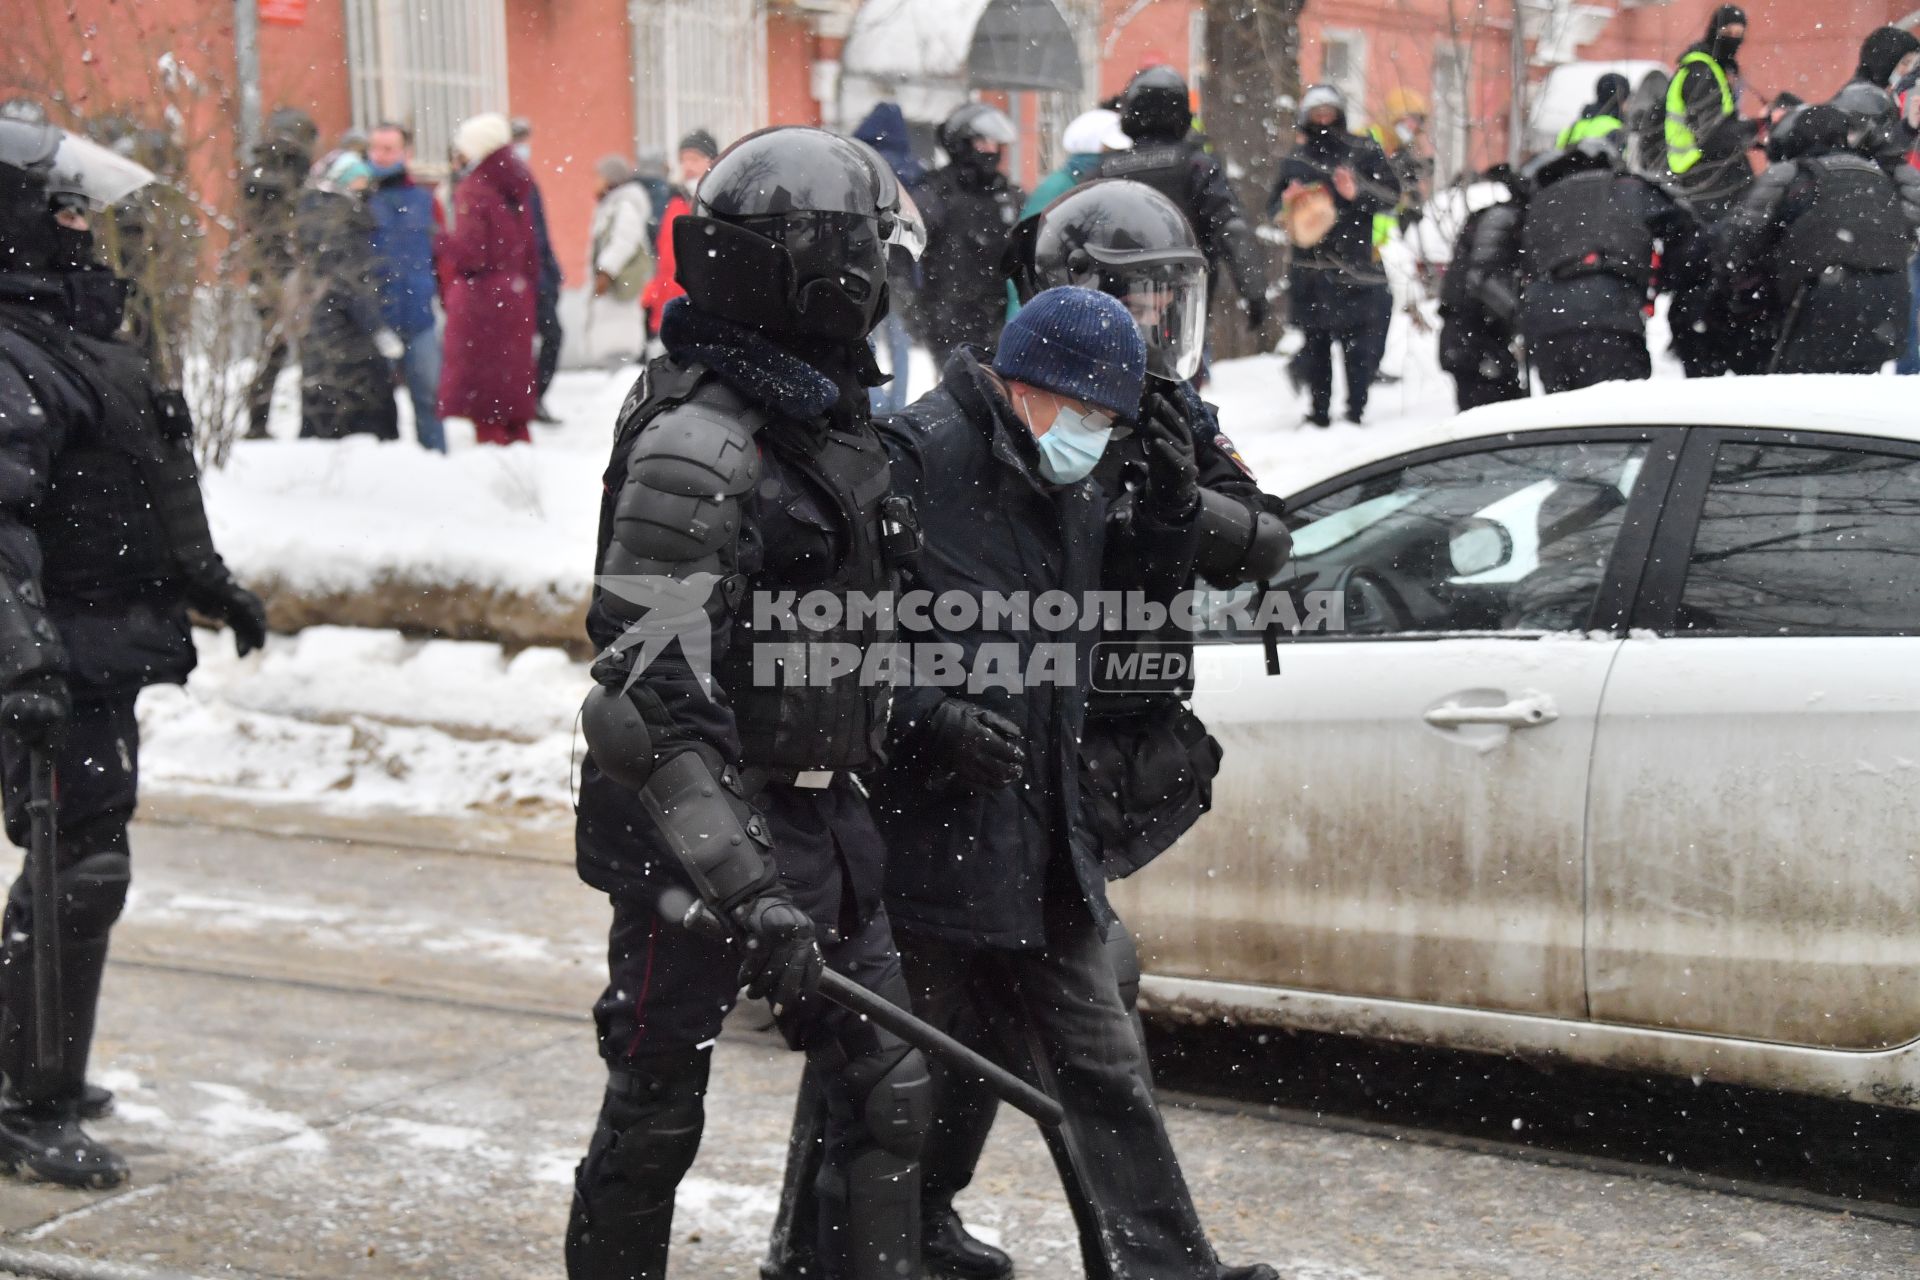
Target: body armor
(1164,166)
(829,490)
(1853,221)
(1580,226)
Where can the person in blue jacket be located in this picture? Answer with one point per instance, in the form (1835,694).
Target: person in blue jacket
(404,221)
(885,130)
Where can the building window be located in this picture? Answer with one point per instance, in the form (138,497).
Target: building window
(697,64)
(1343,64)
(427,64)
(1452,114)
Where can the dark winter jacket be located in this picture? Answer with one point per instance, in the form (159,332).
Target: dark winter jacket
(1335,283)
(90,458)
(1870,99)
(793,538)
(346,385)
(403,231)
(885,130)
(1573,283)
(1831,232)
(493,267)
(1480,297)
(963,299)
(967,866)
(550,277)
(269,189)
(1179,169)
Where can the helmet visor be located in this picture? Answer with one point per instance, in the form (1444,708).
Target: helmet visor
(904,229)
(86,170)
(1169,303)
(847,248)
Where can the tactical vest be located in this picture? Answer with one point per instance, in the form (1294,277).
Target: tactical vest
(1581,226)
(1454,298)
(1683,149)
(801,721)
(98,525)
(1164,166)
(1854,221)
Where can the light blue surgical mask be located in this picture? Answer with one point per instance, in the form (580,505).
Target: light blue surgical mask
(1073,444)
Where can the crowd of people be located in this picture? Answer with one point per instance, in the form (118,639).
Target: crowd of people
(451,292)
(1807,266)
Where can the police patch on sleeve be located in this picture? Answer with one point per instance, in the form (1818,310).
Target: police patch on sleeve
(1226,446)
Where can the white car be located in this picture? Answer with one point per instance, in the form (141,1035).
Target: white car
(1616,759)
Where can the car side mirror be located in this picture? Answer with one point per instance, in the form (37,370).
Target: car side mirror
(1478,545)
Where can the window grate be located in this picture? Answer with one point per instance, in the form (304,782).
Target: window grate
(697,64)
(428,64)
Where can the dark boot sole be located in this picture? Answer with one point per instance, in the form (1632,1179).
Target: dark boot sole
(23,1169)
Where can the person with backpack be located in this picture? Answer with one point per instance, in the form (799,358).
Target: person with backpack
(1832,233)
(621,258)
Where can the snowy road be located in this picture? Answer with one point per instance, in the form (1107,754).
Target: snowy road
(345,1060)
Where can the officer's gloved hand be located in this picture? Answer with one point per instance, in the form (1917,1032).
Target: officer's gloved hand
(1173,474)
(236,606)
(783,960)
(981,748)
(36,710)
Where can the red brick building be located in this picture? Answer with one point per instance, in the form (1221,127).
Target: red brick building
(600,76)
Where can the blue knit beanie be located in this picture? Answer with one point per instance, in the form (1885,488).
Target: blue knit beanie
(1075,342)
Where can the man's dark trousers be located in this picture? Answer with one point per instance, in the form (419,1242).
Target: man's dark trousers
(1577,358)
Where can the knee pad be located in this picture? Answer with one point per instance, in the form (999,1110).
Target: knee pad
(93,892)
(649,1129)
(895,1099)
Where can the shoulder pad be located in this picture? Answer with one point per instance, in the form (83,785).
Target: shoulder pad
(702,448)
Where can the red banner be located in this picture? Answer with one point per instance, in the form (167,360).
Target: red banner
(289,13)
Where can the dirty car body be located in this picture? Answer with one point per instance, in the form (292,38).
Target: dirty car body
(1615,756)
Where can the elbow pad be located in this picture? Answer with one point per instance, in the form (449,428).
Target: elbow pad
(719,841)
(1237,542)
(617,737)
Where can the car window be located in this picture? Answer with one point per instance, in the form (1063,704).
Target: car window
(1513,539)
(1802,540)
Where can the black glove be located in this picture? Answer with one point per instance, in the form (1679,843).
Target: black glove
(36,710)
(236,606)
(783,959)
(979,747)
(1173,475)
(1257,309)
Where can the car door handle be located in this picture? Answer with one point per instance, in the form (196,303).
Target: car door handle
(1521,713)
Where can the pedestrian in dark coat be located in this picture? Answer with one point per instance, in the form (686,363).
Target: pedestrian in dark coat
(347,352)
(546,313)
(494,271)
(1707,137)
(885,130)
(1876,126)
(1337,286)
(968,207)
(1832,233)
(997,892)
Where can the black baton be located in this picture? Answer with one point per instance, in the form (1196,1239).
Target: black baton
(42,856)
(682,908)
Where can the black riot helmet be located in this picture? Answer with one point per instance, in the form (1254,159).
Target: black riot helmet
(1156,106)
(790,232)
(972,123)
(1589,155)
(27,149)
(1125,239)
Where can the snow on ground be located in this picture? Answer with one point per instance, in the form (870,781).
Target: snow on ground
(360,721)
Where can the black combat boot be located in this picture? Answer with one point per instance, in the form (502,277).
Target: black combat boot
(45,1142)
(950,1252)
(1258,1271)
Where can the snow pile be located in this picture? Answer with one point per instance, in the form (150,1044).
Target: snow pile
(362,722)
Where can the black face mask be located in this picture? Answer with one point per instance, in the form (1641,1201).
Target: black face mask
(1320,137)
(982,164)
(96,301)
(72,250)
(1726,48)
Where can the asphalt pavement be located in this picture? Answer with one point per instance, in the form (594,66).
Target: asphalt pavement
(371,1059)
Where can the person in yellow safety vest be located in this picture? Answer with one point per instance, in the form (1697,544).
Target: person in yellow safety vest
(1602,117)
(1405,146)
(1707,140)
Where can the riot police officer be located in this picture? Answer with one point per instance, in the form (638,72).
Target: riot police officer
(1831,233)
(1156,112)
(1588,244)
(969,206)
(1480,300)
(745,465)
(103,549)
(1147,760)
